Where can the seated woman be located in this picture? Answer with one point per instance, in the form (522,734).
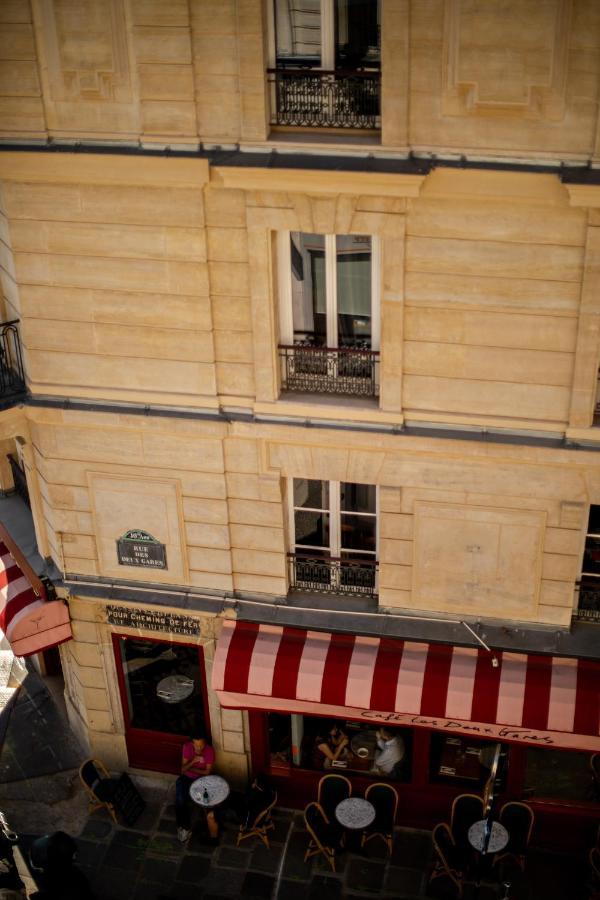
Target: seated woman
(330,747)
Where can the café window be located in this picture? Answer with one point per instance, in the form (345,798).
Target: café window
(329,312)
(332,745)
(589,585)
(558,775)
(466,761)
(333,527)
(162,686)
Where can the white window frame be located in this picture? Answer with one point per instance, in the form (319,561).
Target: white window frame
(327,35)
(284,278)
(335,520)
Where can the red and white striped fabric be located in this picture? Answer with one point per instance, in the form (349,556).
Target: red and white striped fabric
(30,622)
(17,597)
(540,700)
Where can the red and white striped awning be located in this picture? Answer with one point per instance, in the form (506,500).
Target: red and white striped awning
(540,700)
(30,621)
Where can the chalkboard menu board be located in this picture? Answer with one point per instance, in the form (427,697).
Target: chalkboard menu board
(127,800)
(138,548)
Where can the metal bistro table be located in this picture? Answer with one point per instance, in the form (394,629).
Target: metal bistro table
(216,788)
(174,688)
(355,814)
(498,837)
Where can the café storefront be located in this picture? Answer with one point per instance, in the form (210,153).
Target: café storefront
(522,726)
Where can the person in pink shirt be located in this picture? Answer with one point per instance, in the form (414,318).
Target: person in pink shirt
(197,759)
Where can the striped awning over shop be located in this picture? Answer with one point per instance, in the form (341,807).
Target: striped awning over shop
(539,700)
(30,622)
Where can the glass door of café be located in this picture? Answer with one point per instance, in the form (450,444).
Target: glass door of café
(163,695)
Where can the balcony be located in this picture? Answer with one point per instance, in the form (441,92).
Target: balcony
(588,608)
(317,98)
(12,374)
(332,575)
(326,370)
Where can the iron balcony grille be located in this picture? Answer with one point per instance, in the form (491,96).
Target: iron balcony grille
(325,370)
(318,98)
(332,575)
(589,601)
(12,373)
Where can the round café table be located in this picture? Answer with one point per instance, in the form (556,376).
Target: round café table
(498,837)
(216,788)
(355,814)
(174,688)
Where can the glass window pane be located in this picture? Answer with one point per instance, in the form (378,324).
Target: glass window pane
(298,32)
(563,774)
(353,270)
(309,305)
(594,520)
(311,494)
(312,528)
(358,497)
(357,32)
(465,761)
(357,532)
(163,686)
(591,557)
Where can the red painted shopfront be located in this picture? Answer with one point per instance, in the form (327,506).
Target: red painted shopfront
(452,710)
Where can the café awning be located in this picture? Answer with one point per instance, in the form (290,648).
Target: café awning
(29,620)
(539,700)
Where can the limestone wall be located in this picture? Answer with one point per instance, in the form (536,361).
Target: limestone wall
(510,78)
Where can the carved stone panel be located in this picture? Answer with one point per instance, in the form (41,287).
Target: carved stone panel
(506,59)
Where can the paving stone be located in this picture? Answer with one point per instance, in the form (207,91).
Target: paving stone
(133,839)
(159,869)
(148,818)
(122,857)
(257,886)
(167,826)
(411,848)
(193,869)
(226,882)
(264,860)
(97,829)
(90,853)
(292,890)
(165,845)
(180,891)
(232,859)
(110,884)
(364,874)
(401,880)
(148,890)
(323,888)
(197,844)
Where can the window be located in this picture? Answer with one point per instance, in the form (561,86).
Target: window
(329,312)
(325,59)
(334,534)
(589,591)
(297,741)
(327,33)
(557,774)
(467,762)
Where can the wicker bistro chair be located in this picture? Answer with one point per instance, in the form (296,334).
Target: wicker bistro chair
(332,790)
(448,862)
(595,769)
(466,809)
(518,820)
(100,786)
(594,882)
(261,825)
(385,800)
(324,836)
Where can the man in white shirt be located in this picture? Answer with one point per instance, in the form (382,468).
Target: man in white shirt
(390,753)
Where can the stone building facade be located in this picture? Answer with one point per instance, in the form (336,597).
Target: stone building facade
(147,197)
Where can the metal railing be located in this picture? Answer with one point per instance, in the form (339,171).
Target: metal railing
(332,575)
(327,370)
(318,98)
(588,607)
(12,372)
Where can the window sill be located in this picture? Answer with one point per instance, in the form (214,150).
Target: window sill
(345,408)
(335,602)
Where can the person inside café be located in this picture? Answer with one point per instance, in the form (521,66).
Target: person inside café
(329,747)
(197,759)
(390,752)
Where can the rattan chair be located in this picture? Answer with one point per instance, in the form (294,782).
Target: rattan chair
(261,825)
(595,767)
(448,861)
(324,837)
(518,819)
(466,809)
(332,790)
(385,800)
(99,785)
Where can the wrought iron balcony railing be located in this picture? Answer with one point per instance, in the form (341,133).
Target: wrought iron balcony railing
(317,98)
(588,607)
(332,575)
(327,370)
(12,373)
